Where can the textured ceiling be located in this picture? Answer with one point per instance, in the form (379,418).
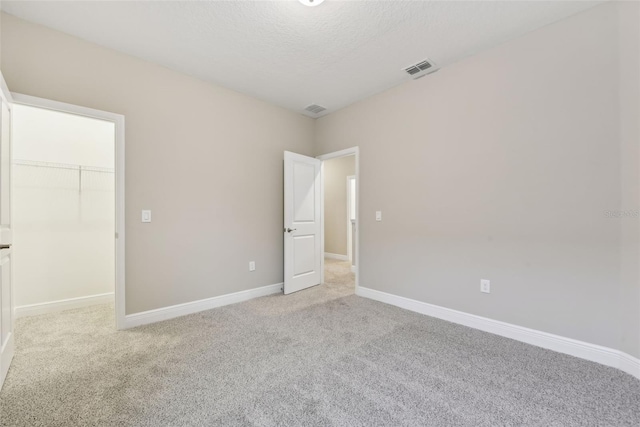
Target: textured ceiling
(292,55)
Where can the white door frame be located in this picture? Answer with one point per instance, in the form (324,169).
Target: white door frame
(118,121)
(349,232)
(7,346)
(353,151)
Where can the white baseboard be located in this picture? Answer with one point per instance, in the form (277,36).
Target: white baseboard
(593,352)
(61,305)
(630,364)
(166,313)
(336,256)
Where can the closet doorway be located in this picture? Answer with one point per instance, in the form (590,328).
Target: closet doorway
(65,209)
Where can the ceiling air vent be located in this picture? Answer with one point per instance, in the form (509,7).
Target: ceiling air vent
(412,70)
(420,69)
(315,109)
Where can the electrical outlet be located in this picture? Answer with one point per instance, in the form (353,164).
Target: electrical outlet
(485,286)
(252,266)
(378,215)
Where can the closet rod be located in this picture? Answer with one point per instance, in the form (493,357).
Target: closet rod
(65,166)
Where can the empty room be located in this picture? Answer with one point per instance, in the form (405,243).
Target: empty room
(320,212)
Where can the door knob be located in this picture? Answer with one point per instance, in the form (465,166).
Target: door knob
(289,230)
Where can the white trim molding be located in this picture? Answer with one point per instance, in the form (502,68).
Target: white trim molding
(5,94)
(339,257)
(350,222)
(62,305)
(178,310)
(6,355)
(584,350)
(630,364)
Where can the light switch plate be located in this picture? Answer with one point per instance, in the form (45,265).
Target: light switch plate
(252,266)
(378,215)
(146,216)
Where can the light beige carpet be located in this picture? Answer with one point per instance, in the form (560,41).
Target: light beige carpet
(338,274)
(319,357)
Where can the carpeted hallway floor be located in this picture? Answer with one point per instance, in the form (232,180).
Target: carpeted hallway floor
(320,357)
(339,273)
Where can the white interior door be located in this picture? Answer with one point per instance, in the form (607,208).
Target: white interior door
(302,222)
(6,294)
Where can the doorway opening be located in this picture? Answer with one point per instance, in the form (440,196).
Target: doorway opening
(340,225)
(68,207)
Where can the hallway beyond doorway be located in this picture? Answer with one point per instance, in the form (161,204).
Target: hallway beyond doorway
(338,274)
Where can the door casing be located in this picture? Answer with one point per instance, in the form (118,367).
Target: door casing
(349,232)
(7,339)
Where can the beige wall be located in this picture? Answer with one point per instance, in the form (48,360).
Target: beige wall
(206,160)
(502,167)
(336,172)
(507,162)
(629,97)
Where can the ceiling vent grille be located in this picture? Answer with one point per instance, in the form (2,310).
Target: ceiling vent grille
(420,69)
(315,109)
